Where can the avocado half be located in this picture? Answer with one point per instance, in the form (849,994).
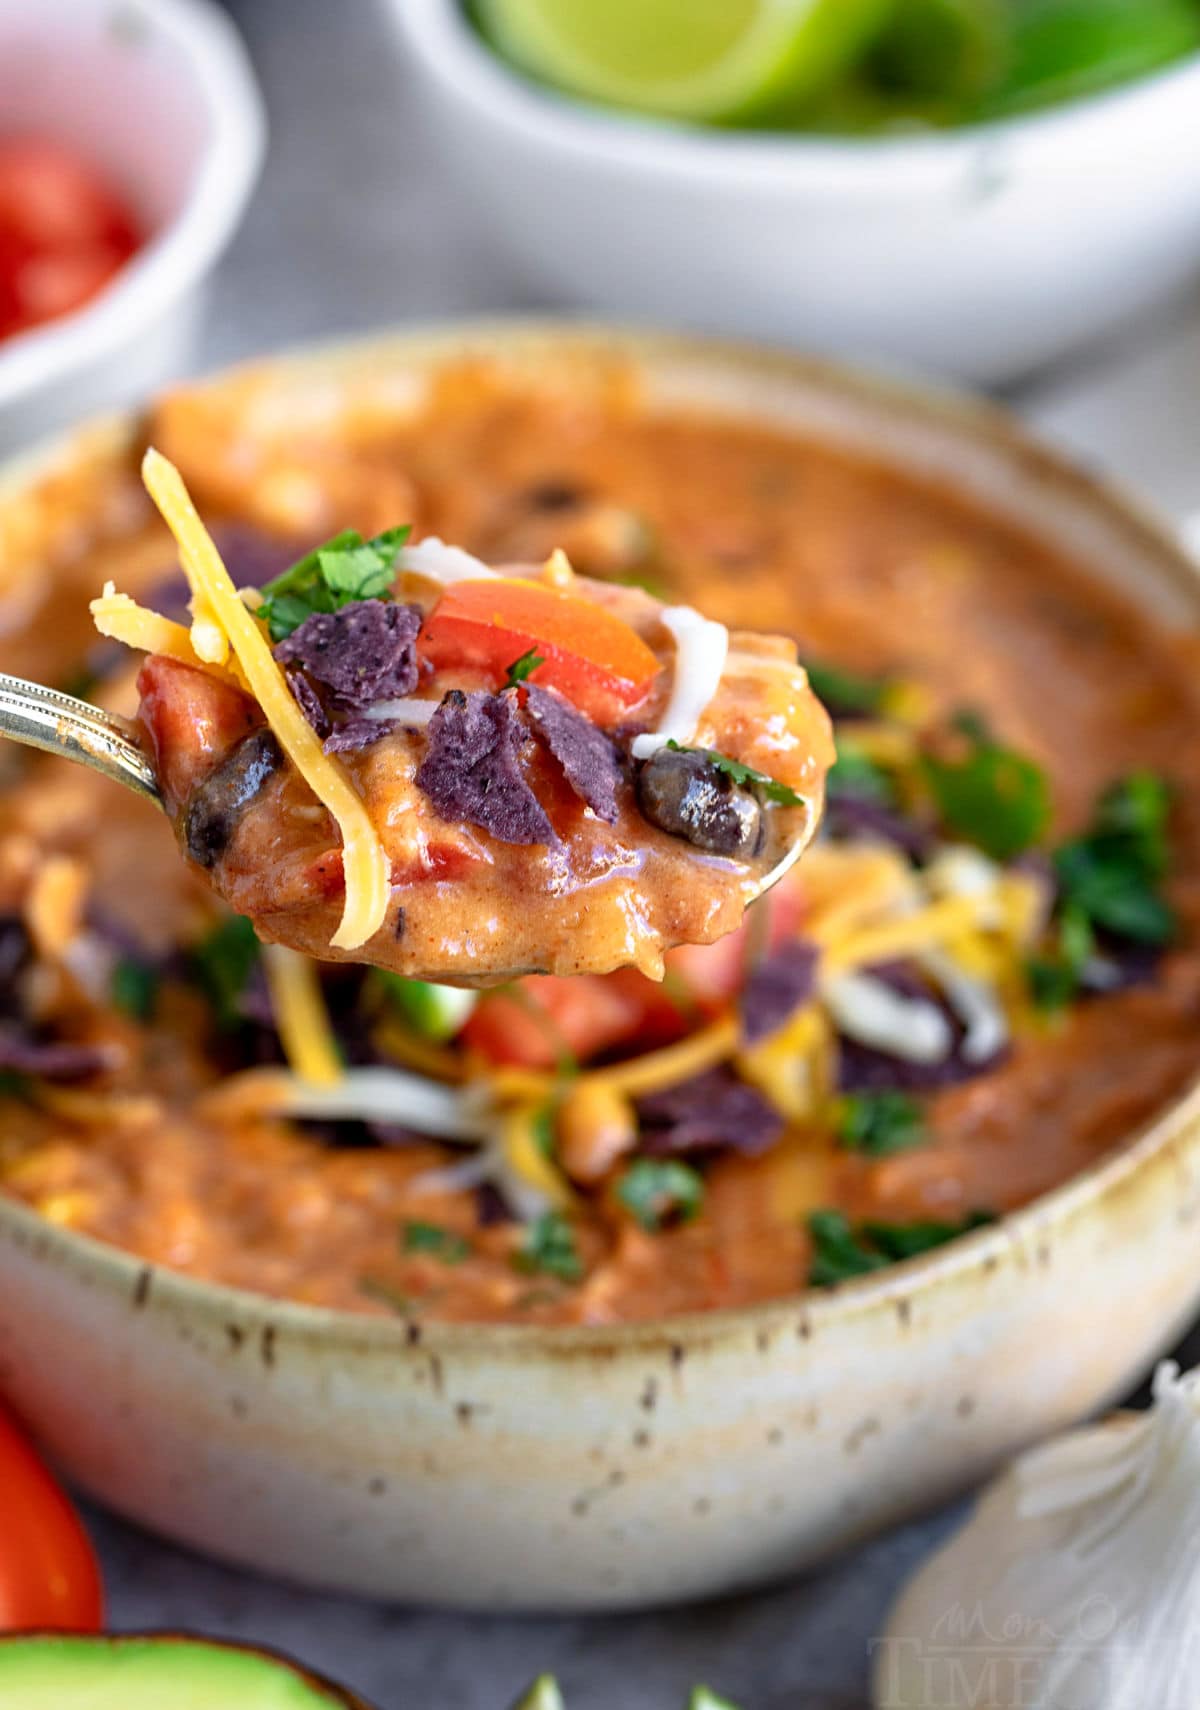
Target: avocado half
(159,1671)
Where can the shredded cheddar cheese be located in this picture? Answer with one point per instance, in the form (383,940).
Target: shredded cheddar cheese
(214,596)
(119,617)
(301,1017)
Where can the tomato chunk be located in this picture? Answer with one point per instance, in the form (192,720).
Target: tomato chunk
(588,653)
(48,1573)
(193,720)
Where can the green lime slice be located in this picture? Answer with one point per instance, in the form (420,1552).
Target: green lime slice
(703,60)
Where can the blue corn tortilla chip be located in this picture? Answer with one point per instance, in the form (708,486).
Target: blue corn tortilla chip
(363,653)
(52,1060)
(851,816)
(781,983)
(308,700)
(710,1113)
(864,1069)
(357,733)
(471,771)
(587,757)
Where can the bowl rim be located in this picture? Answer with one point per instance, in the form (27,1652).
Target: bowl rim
(220,68)
(1069,134)
(805,1312)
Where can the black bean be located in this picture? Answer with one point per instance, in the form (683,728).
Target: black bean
(687,796)
(216,806)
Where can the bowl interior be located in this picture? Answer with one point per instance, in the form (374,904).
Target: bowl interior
(96,77)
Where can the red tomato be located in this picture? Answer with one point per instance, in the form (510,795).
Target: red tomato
(51,199)
(587,652)
(63,233)
(48,1573)
(193,720)
(593,1013)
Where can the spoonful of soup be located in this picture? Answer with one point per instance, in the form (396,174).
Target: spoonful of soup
(394,753)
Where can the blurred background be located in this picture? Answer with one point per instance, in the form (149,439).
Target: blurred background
(1001,193)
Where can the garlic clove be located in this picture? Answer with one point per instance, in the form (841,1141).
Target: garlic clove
(1074,1584)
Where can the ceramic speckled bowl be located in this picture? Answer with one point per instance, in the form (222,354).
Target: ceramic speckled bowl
(615,1467)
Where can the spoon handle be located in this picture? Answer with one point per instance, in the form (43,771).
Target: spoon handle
(44,718)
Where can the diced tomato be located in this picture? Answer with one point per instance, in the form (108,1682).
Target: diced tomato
(591,1014)
(588,653)
(582,1016)
(193,720)
(63,233)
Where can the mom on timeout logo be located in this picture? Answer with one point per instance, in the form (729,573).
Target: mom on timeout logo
(971,1660)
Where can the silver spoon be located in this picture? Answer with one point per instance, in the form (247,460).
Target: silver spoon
(59,724)
(45,718)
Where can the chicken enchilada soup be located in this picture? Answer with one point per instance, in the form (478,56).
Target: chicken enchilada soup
(982,976)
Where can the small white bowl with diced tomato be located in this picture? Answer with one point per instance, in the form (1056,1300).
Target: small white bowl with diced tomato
(131,137)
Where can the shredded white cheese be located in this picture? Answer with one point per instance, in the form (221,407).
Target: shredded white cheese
(869,1011)
(441,563)
(976,1005)
(414,713)
(701,648)
(389,1095)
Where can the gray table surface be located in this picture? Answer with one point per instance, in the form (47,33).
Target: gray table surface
(354,227)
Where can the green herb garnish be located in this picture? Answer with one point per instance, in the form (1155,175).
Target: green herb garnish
(343,570)
(439,1243)
(994,797)
(429,1010)
(549,1246)
(879,1124)
(661,1190)
(853,774)
(223,963)
(846,691)
(842,1250)
(134,988)
(524,667)
(1056,975)
(1112,875)
(1109,881)
(744,775)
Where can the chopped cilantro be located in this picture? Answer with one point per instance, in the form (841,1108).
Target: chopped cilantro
(432,1011)
(744,775)
(661,1190)
(223,963)
(374,1288)
(524,667)
(439,1243)
(343,570)
(549,1245)
(853,774)
(878,1124)
(842,1250)
(1111,876)
(1055,976)
(134,988)
(13,1085)
(845,692)
(993,797)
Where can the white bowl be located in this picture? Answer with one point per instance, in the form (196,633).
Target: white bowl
(980,253)
(159,94)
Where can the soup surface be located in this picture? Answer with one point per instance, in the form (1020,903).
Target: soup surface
(982,978)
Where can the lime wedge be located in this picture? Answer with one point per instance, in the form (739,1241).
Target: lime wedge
(704,60)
